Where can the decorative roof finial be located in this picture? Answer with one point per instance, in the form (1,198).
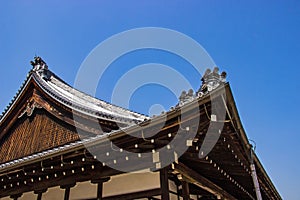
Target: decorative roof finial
(211,80)
(186,97)
(40,67)
(38,63)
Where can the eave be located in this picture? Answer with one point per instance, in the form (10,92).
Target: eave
(237,124)
(241,146)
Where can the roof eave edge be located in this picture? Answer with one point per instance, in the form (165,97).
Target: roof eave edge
(16,98)
(247,145)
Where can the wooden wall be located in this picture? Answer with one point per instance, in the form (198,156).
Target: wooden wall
(33,134)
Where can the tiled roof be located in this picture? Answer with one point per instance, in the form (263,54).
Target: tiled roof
(85,103)
(7,108)
(77,100)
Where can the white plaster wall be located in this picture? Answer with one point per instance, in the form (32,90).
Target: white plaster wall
(193,197)
(172,186)
(5,198)
(132,182)
(120,184)
(28,196)
(54,193)
(83,190)
(173,196)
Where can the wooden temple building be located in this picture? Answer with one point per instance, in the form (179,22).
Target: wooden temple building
(42,155)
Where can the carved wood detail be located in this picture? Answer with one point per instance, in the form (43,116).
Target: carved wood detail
(30,107)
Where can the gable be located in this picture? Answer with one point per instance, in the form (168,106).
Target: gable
(35,133)
(36,121)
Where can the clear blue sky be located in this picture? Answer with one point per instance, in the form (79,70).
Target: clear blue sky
(257,43)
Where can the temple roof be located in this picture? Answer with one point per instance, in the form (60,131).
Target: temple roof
(82,102)
(227,165)
(73,98)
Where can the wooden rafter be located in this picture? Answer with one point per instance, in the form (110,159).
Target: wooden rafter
(202,182)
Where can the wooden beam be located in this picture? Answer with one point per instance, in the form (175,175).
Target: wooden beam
(100,180)
(133,195)
(16,196)
(202,182)
(164,184)
(69,178)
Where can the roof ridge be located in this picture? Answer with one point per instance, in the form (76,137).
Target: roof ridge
(73,97)
(41,72)
(104,101)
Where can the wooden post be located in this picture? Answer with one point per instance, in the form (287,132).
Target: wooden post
(202,182)
(99,190)
(40,193)
(254,178)
(177,189)
(67,190)
(67,193)
(99,183)
(164,184)
(185,190)
(39,197)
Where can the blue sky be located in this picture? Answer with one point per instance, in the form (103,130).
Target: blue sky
(256,43)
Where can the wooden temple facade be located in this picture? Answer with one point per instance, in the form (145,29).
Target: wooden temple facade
(42,156)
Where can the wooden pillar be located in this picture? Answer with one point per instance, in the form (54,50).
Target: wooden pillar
(99,191)
(185,190)
(207,197)
(99,183)
(40,193)
(39,197)
(164,184)
(67,190)
(177,189)
(67,193)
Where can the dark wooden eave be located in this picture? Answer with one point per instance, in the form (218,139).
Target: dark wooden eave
(225,168)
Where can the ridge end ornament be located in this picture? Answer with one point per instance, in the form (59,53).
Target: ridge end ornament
(211,80)
(40,67)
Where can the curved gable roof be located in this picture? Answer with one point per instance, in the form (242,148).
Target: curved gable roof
(74,99)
